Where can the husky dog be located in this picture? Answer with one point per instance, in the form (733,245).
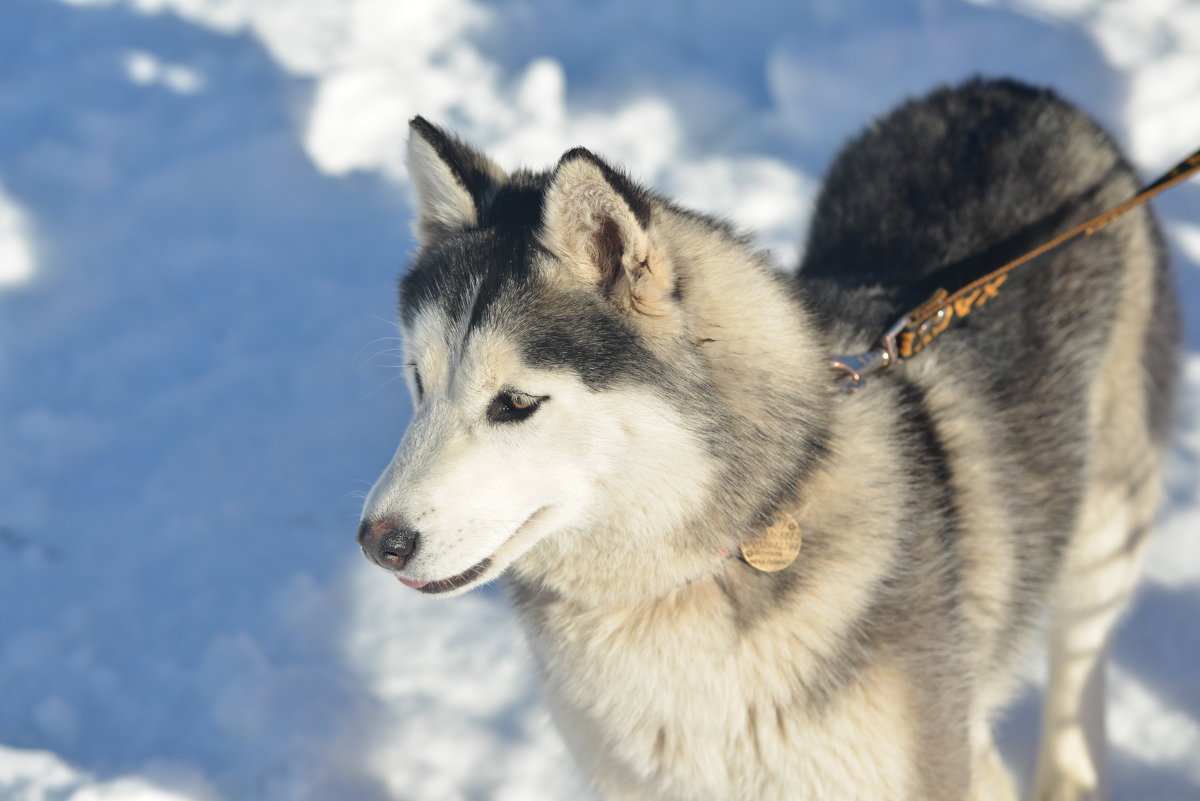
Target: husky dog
(614,395)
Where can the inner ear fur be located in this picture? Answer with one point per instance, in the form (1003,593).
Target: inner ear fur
(453,182)
(595,221)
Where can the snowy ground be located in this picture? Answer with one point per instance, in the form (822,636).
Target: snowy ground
(202,212)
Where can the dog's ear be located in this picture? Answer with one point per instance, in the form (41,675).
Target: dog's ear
(453,182)
(595,221)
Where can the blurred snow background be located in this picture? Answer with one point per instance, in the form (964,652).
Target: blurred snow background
(203,208)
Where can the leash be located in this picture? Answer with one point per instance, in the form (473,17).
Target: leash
(910,334)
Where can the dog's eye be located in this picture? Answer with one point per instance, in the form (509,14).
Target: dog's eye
(512,407)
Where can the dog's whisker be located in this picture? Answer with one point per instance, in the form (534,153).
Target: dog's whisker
(396,350)
(382,386)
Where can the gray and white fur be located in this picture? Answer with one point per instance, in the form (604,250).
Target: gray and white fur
(612,393)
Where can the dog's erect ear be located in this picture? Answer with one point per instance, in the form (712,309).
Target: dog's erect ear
(595,221)
(453,182)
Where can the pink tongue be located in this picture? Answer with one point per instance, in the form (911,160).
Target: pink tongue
(416,585)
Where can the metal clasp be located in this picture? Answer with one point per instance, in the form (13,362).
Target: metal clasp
(858,367)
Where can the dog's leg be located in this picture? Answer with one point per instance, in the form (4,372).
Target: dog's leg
(1101,565)
(1099,575)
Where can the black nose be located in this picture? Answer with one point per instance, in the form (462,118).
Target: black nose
(387,543)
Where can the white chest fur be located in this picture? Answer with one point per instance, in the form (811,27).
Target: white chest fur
(673,699)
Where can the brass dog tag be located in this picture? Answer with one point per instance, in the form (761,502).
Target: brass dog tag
(776,547)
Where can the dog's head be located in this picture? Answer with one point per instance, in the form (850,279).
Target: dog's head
(566,416)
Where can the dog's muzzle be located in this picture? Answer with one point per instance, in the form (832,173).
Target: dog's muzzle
(387,542)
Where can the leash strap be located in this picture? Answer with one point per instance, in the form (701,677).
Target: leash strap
(911,333)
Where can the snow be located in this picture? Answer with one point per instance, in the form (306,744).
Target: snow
(16,247)
(203,209)
(144,68)
(1150,730)
(1156,45)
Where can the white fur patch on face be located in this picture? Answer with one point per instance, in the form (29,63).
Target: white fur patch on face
(425,352)
(479,490)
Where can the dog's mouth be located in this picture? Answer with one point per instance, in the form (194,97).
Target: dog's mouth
(515,543)
(453,583)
